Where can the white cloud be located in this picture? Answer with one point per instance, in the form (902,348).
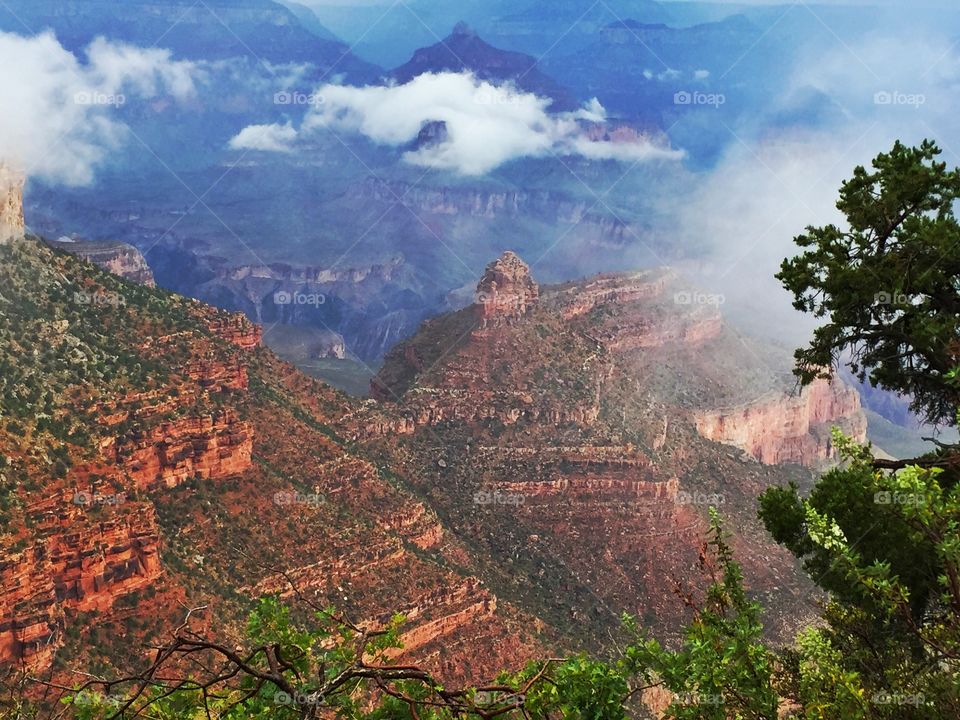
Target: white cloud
(487,125)
(58,118)
(269,138)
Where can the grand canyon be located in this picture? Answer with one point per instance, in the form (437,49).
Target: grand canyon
(456,326)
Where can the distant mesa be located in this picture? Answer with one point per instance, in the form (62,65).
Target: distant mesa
(505,292)
(12,226)
(464,50)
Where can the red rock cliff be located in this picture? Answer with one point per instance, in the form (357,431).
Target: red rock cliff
(779,428)
(92,547)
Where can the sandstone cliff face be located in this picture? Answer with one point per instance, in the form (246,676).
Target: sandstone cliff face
(208,447)
(780,429)
(91,539)
(119,258)
(94,546)
(11,205)
(235,328)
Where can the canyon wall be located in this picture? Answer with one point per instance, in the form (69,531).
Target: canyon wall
(550,206)
(116,257)
(93,546)
(779,428)
(207,447)
(87,541)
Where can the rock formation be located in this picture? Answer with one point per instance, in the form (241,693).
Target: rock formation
(94,546)
(116,257)
(779,429)
(566,427)
(166,464)
(505,291)
(11,205)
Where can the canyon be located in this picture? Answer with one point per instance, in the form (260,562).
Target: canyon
(219,417)
(511,507)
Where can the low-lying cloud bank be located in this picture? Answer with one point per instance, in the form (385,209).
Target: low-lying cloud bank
(59,114)
(485,125)
(744,213)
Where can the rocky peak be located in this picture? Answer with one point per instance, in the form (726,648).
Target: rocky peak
(461,29)
(11,205)
(505,291)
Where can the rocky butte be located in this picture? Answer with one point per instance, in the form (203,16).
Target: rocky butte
(505,291)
